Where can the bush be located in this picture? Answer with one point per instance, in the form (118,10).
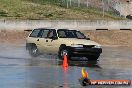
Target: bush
(3,13)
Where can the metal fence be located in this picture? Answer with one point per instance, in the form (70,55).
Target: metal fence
(103,5)
(82,3)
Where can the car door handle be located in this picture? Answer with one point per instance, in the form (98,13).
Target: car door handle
(37,39)
(46,40)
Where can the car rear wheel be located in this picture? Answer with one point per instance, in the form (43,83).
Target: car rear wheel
(33,51)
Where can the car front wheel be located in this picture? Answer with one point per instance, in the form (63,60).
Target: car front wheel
(63,52)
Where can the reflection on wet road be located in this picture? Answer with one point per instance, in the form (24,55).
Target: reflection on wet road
(19,70)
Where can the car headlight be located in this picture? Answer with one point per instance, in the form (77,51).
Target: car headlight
(97,46)
(76,45)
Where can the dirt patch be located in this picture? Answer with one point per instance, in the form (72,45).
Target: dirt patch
(113,37)
(13,36)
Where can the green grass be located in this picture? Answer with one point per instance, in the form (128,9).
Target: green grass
(49,9)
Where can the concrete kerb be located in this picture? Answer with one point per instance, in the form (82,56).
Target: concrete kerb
(73,24)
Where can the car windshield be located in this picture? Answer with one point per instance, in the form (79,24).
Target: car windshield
(63,33)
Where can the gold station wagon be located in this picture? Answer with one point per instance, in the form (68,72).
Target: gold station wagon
(73,43)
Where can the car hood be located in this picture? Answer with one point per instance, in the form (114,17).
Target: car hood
(82,41)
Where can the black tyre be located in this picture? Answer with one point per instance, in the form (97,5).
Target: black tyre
(64,51)
(33,51)
(93,57)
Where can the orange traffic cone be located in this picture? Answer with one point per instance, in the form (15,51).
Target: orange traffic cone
(65,63)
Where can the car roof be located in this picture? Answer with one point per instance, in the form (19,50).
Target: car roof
(56,28)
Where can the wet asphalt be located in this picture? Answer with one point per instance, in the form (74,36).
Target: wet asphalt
(19,70)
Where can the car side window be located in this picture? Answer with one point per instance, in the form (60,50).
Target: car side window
(44,33)
(49,33)
(35,33)
(61,34)
(80,35)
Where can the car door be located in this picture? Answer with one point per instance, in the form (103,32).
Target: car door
(52,44)
(43,40)
(46,42)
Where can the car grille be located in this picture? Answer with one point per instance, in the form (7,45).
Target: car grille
(88,46)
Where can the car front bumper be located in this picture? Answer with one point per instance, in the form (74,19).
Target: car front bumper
(85,51)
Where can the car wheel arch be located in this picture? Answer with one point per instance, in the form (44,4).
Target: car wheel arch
(62,45)
(29,45)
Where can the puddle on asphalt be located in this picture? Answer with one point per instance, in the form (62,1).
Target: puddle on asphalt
(19,70)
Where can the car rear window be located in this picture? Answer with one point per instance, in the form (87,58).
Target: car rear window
(35,33)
